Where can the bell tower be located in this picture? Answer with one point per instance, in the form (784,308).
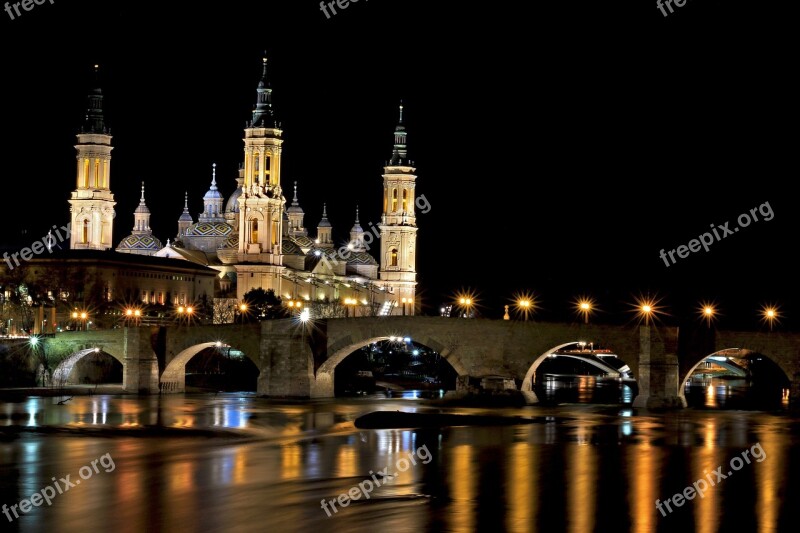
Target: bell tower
(92,203)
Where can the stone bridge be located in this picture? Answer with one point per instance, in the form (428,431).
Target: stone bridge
(300,360)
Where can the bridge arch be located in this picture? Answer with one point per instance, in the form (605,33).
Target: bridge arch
(64,369)
(173,379)
(527,381)
(323,385)
(745,352)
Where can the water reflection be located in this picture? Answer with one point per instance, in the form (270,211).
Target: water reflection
(579,468)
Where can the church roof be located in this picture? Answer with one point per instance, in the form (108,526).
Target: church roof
(303,241)
(140,242)
(361,258)
(209,229)
(231,243)
(290,248)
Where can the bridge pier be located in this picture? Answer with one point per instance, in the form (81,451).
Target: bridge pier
(140,374)
(794,392)
(659,372)
(287,363)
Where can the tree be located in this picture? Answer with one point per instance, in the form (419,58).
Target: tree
(263,305)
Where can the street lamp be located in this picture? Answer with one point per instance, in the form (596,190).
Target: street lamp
(466,303)
(83,316)
(584,306)
(406,301)
(770,315)
(707,312)
(349,303)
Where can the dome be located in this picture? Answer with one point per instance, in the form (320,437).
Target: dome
(233,202)
(231,243)
(209,229)
(140,242)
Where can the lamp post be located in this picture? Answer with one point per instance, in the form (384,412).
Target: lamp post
(404,302)
(349,303)
(525,306)
(466,303)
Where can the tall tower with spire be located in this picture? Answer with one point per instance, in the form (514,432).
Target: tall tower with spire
(92,203)
(212,201)
(296,215)
(399,225)
(324,230)
(185,220)
(261,204)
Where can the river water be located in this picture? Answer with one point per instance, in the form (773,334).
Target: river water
(240,463)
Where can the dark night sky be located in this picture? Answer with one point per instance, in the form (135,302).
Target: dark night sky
(561,145)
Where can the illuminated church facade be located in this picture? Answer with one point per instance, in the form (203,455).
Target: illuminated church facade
(256,238)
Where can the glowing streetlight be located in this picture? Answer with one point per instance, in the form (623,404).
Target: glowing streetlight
(647,309)
(405,301)
(770,315)
(34,340)
(465,301)
(305,315)
(708,312)
(349,303)
(584,306)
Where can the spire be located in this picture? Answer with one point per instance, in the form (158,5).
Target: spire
(357,236)
(295,207)
(324,222)
(94,121)
(263,114)
(186,216)
(400,152)
(213,192)
(141,217)
(142,206)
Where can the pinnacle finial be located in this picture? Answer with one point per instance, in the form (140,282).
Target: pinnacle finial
(401,111)
(142,192)
(357,222)
(213,175)
(186,202)
(295,201)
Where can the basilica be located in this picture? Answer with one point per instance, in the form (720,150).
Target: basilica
(257,238)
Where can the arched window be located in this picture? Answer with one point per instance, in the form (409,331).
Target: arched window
(86,173)
(267,168)
(254,231)
(274,233)
(393,257)
(85,236)
(394,200)
(405,200)
(96,183)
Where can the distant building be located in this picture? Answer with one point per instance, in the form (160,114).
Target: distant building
(253,240)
